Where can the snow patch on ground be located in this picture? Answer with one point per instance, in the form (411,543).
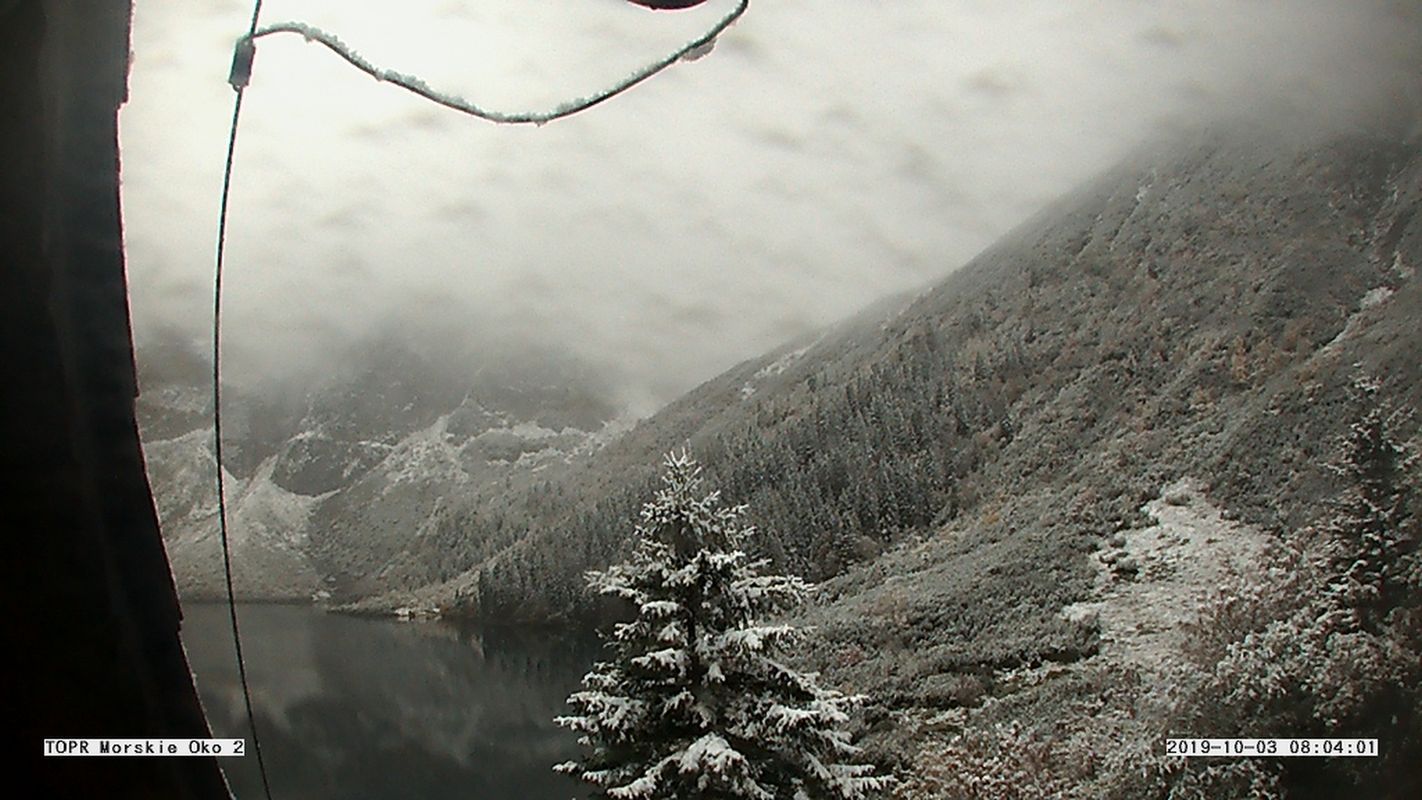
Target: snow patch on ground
(774,368)
(1146,186)
(1152,581)
(781,364)
(1402,269)
(528,430)
(267,515)
(268,524)
(609,432)
(423,455)
(1374,298)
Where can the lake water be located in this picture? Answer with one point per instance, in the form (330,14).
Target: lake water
(366,709)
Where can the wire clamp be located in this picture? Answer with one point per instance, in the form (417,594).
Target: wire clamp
(242,55)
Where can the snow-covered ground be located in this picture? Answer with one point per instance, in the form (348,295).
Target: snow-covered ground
(1153,581)
(1374,298)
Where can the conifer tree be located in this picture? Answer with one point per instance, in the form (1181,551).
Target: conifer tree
(1374,526)
(694,701)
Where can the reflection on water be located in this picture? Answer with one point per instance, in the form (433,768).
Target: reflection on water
(361,709)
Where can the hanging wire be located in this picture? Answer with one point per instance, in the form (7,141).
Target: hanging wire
(239,77)
(691,50)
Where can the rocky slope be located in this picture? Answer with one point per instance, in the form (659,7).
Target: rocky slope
(330,493)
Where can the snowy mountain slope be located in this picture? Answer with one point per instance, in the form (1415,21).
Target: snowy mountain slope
(1012,487)
(1172,318)
(1194,311)
(333,494)
(268,524)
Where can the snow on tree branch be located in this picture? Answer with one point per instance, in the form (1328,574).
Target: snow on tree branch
(693,701)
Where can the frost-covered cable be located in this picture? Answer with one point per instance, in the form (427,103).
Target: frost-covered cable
(412,83)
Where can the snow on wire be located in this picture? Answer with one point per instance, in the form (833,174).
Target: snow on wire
(690,51)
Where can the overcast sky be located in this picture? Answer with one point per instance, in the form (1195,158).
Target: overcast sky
(828,152)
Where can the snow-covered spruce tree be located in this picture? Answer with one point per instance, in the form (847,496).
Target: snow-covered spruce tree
(693,701)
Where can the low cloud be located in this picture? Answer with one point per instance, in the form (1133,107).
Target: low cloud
(823,156)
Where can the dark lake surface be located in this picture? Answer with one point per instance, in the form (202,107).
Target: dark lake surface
(369,709)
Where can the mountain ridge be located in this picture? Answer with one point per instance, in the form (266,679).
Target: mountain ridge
(324,487)
(1180,294)
(1157,296)
(1020,490)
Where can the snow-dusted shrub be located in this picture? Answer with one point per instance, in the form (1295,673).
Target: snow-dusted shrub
(1245,604)
(1253,778)
(1374,525)
(1003,762)
(1327,643)
(695,699)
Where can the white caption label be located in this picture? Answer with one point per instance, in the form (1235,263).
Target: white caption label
(145,747)
(1328,748)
